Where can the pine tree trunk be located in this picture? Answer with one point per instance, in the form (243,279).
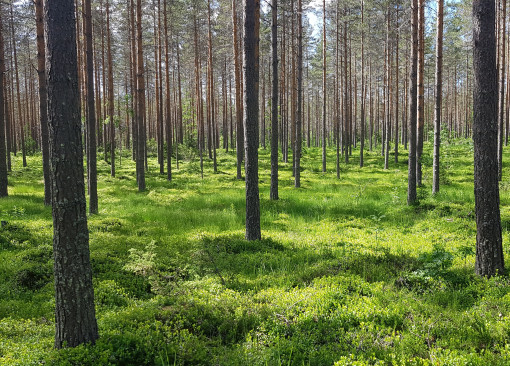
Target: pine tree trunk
(299,120)
(91,111)
(438,98)
(168,121)
(324,93)
(489,249)
(140,99)
(3,148)
(421,91)
(75,319)
(237,73)
(501,113)
(413,107)
(274,102)
(251,112)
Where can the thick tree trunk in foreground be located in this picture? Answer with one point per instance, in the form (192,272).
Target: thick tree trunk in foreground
(75,318)
(251,113)
(489,249)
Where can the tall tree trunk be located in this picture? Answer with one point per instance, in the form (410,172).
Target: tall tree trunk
(210,93)
(91,111)
(3,130)
(363,87)
(75,319)
(237,73)
(251,112)
(324,94)
(43,99)
(299,120)
(111,93)
(413,107)
(397,86)
(438,98)
(140,99)
(274,102)
(421,91)
(489,249)
(21,122)
(502,68)
(168,121)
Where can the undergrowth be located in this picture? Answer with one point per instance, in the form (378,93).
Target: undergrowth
(345,274)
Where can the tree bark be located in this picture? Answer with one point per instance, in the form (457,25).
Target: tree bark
(91,111)
(140,99)
(502,69)
(324,94)
(299,119)
(489,249)
(75,319)
(43,99)
(438,98)
(413,80)
(274,102)
(251,112)
(3,147)
(237,73)
(421,91)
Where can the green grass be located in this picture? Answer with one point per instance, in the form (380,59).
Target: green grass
(345,272)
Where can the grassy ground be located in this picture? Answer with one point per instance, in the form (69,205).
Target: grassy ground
(346,272)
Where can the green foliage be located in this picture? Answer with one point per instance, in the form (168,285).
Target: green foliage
(345,274)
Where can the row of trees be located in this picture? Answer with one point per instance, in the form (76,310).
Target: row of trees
(156,90)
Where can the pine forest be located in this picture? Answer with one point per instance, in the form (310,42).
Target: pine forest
(246,182)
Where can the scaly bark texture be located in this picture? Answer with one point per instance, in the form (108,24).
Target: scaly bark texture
(489,249)
(251,114)
(75,319)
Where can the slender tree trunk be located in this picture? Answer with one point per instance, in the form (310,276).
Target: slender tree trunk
(210,83)
(324,93)
(421,91)
(299,120)
(237,73)
(91,111)
(502,68)
(274,102)
(21,122)
(168,122)
(3,147)
(438,97)
(251,112)
(413,107)
(140,99)
(75,319)
(489,249)
(43,99)
(397,86)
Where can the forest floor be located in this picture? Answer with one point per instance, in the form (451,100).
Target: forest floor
(346,272)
